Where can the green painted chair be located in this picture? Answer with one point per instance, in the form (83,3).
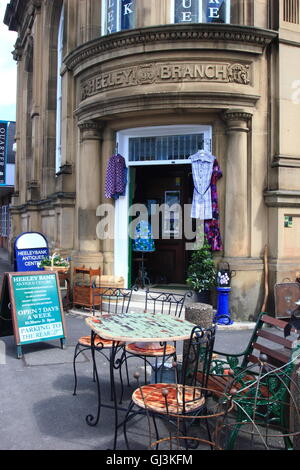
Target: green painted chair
(260,379)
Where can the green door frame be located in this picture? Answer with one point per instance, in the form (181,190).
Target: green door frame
(131,179)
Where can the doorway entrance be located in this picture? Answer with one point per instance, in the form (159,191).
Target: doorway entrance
(160,154)
(156,186)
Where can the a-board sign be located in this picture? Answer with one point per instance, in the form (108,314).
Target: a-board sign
(31,308)
(29,249)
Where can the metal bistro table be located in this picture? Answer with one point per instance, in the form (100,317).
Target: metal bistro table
(133,328)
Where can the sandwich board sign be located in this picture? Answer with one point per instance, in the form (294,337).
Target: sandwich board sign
(31,308)
(29,249)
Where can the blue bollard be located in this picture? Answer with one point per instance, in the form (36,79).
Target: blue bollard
(223,315)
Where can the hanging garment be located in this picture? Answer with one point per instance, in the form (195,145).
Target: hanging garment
(212,227)
(202,167)
(143,238)
(116,177)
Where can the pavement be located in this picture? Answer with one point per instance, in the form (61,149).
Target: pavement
(38,410)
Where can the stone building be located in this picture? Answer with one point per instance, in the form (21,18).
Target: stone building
(156,79)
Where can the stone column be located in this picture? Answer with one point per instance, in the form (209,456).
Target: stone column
(236,207)
(88,195)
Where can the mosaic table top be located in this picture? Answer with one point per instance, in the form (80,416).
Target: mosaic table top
(144,327)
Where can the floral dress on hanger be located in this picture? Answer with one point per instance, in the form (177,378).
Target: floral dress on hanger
(212,227)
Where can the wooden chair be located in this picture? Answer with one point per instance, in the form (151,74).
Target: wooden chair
(184,397)
(266,398)
(162,303)
(110,300)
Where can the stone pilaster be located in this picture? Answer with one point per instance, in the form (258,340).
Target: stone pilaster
(88,195)
(237,214)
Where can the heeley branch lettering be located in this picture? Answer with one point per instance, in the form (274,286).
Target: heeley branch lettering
(159,73)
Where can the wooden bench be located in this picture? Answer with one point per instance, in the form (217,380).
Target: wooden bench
(267,338)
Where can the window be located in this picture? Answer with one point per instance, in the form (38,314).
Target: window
(201,11)
(171,147)
(291,11)
(118,15)
(163,145)
(5,221)
(59,92)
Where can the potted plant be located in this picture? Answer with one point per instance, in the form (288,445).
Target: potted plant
(54,263)
(202,273)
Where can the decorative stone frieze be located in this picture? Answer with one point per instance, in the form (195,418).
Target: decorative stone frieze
(199,34)
(237,115)
(165,72)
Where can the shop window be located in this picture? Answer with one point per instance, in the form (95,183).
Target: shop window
(118,15)
(201,11)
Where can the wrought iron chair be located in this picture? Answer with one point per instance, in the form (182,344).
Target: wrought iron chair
(266,400)
(162,303)
(185,397)
(111,301)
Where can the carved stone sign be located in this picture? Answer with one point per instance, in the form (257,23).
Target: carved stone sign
(166,72)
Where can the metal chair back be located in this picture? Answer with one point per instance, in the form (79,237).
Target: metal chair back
(111,300)
(197,355)
(165,302)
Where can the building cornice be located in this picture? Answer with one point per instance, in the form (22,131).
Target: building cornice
(200,36)
(90,108)
(286,161)
(282,198)
(59,199)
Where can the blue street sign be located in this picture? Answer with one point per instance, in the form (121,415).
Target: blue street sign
(29,249)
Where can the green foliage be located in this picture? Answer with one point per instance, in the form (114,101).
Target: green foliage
(202,271)
(57,261)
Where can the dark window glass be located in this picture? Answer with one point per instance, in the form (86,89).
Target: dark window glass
(205,11)
(186,11)
(127,14)
(215,10)
(111,16)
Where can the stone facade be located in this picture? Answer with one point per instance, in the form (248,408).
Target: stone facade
(242,79)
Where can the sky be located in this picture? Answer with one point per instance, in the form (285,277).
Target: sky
(8,69)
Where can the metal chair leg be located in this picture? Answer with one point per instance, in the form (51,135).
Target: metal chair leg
(131,405)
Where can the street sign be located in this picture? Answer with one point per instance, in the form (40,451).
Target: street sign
(30,248)
(32,308)
(3,150)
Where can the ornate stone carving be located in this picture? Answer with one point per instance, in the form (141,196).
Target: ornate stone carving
(239,73)
(198,34)
(90,130)
(237,115)
(18,50)
(145,74)
(166,72)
